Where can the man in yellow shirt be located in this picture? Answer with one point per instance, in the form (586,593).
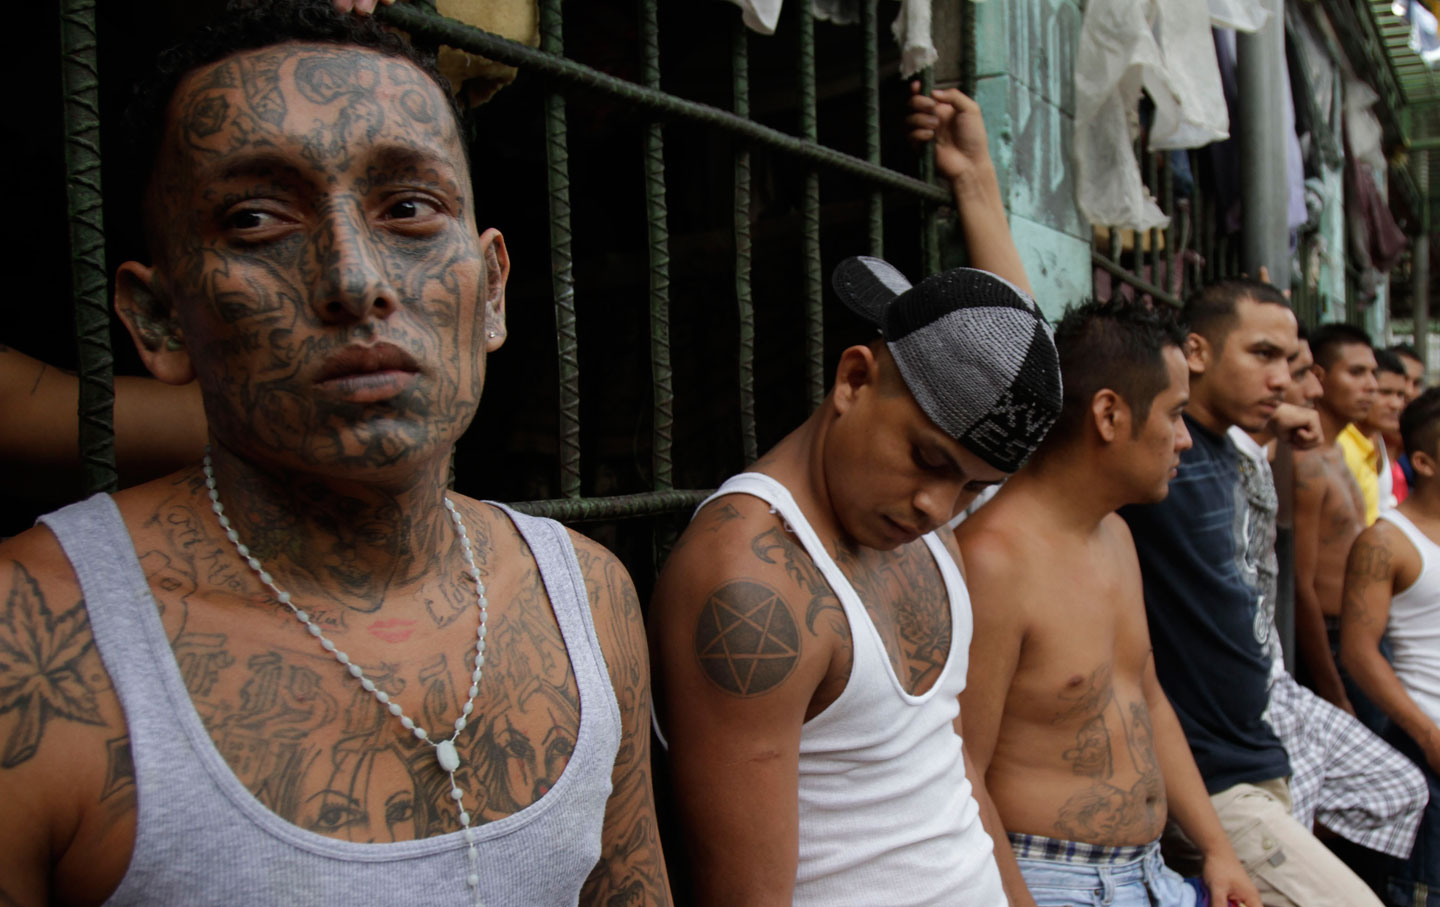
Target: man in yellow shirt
(1345,365)
(1363,459)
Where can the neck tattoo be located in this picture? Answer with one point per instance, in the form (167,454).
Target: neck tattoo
(446,755)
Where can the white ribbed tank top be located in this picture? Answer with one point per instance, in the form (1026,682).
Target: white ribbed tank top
(1414,627)
(887,816)
(202,838)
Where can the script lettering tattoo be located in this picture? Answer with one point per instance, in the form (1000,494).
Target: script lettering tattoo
(746,638)
(1104,811)
(40,666)
(904,594)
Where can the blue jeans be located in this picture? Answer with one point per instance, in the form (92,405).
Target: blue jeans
(1112,877)
(1416,882)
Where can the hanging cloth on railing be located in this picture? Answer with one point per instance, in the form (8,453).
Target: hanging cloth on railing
(1160,47)
(911,28)
(1116,58)
(1241,15)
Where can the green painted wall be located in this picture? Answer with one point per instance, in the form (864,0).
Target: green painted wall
(1025,57)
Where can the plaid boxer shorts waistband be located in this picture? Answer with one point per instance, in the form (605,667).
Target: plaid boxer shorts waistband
(1039,847)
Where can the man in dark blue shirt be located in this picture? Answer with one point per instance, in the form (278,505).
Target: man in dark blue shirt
(1204,597)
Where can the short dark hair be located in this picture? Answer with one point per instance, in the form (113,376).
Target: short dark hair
(1117,345)
(251,25)
(1406,350)
(1210,310)
(1420,422)
(1386,361)
(1325,343)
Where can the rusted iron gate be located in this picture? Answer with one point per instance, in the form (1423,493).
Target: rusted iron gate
(563,76)
(1167,263)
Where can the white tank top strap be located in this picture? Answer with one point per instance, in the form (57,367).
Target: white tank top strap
(872,657)
(759,485)
(1427,548)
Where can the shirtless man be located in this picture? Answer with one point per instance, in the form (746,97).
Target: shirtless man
(811,628)
(1062,711)
(1391,591)
(1201,559)
(395,694)
(1329,507)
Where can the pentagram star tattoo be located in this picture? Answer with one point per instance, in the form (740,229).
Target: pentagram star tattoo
(746,639)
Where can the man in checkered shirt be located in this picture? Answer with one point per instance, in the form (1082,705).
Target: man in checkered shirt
(1342,775)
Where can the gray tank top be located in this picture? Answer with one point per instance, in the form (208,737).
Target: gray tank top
(202,838)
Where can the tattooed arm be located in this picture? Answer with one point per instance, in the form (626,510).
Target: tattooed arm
(1381,560)
(69,801)
(739,657)
(1311,488)
(962,157)
(631,870)
(998,608)
(158,428)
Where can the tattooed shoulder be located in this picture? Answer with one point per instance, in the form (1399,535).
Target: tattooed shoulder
(49,673)
(746,638)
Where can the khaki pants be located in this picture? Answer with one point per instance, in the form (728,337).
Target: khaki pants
(1286,862)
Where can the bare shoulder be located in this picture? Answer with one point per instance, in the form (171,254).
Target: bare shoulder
(731,537)
(1312,470)
(993,544)
(1377,548)
(1118,542)
(613,600)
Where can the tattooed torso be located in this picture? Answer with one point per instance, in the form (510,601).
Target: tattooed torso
(293,726)
(1322,475)
(1075,754)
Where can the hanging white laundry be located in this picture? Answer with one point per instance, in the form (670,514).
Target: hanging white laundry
(912,32)
(1117,56)
(839,12)
(1362,126)
(760,15)
(1241,15)
(1195,114)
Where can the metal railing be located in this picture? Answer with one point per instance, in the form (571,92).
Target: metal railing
(1197,246)
(565,79)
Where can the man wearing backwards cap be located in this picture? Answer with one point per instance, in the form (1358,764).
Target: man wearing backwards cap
(811,630)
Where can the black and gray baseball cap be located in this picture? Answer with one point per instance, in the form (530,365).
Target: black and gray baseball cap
(974,349)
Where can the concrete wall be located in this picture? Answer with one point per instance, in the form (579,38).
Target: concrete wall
(1025,59)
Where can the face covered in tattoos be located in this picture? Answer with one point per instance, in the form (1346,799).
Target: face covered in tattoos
(317,262)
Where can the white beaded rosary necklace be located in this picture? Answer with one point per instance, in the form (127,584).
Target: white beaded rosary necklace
(445,753)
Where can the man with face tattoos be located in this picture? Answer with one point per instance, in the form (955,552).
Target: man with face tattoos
(811,628)
(304,672)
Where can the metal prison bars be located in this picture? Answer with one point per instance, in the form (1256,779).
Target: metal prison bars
(1196,247)
(564,76)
